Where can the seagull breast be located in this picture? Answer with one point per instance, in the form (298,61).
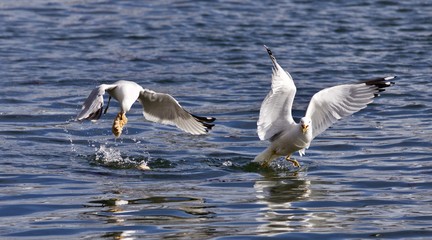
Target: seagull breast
(126,93)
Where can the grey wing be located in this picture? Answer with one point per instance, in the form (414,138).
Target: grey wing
(92,107)
(163,108)
(331,104)
(275,113)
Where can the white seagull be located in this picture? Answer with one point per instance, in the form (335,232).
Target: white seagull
(277,125)
(157,107)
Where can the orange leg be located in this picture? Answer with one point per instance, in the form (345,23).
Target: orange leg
(294,162)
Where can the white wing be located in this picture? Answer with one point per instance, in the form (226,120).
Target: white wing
(163,108)
(92,107)
(275,114)
(331,104)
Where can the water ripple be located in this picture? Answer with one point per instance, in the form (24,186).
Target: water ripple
(368,175)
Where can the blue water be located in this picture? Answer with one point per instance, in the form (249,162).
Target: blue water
(369,176)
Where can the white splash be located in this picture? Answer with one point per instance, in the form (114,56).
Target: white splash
(227,163)
(109,156)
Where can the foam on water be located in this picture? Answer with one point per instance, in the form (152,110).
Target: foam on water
(112,157)
(368,176)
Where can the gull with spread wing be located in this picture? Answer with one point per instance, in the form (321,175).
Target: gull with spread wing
(277,125)
(157,107)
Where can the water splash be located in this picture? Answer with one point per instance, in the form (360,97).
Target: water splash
(227,163)
(112,157)
(69,136)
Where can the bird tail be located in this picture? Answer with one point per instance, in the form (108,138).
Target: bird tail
(265,157)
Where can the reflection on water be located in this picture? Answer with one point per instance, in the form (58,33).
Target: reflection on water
(123,235)
(368,176)
(149,212)
(278,195)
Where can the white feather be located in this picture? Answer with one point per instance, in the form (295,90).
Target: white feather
(325,108)
(157,107)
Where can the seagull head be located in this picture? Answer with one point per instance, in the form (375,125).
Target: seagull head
(305,124)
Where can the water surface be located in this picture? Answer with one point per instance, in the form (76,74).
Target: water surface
(366,177)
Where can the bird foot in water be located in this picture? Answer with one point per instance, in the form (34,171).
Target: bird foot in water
(294,162)
(119,122)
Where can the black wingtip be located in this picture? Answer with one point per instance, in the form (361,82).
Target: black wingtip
(208,126)
(205,121)
(268,50)
(93,116)
(381,83)
(272,57)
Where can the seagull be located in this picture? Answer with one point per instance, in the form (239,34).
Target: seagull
(157,107)
(277,125)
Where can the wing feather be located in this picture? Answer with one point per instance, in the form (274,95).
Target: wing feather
(275,112)
(163,108)
(331,104)
(92,107)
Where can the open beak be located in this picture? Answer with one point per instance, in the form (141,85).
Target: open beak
(305,128)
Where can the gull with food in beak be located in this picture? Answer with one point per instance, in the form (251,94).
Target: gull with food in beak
(157,107)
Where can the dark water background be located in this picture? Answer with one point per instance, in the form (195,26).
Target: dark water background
(367,177)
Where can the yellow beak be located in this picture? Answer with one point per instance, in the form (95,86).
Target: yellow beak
(305,128)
